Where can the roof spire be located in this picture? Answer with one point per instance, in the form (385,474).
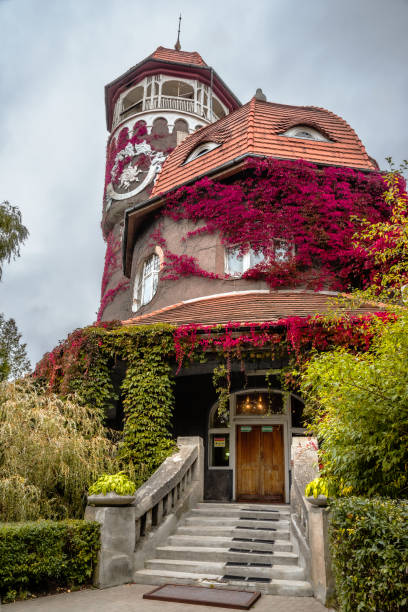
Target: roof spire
(177,46)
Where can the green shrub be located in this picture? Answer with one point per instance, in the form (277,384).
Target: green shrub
(37,556)
(118,483)
(358,404)
(369,546)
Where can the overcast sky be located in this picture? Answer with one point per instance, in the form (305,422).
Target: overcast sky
(56,56)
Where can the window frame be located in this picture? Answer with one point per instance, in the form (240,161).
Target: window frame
(246,261)
(141,277)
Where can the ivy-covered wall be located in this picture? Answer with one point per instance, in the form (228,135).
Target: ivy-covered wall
(151,358)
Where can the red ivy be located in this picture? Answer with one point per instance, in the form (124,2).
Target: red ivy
(299,335)
(315,210)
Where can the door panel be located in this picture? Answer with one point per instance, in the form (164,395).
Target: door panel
(273,477)
(260,464)
(248,460)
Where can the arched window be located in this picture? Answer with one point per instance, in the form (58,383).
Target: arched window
(160,127)
(178,89)
(148,280)
(133,100)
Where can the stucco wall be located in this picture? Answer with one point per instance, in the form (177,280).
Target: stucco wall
(208,251)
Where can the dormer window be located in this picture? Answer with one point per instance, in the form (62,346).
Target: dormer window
(305,132)
(202,149)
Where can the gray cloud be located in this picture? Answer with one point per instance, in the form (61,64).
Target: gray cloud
(57,55)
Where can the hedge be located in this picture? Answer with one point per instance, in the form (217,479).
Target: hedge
(369,547)
(41,556)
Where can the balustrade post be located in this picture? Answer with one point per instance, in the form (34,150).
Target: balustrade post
(160,511)
(148,523)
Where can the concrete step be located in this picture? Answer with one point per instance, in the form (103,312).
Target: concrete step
(240,513)
(159,577)
(294,588)
(223,541)
(200,553)
(202,522)
(233,531)
(283,508)
(285,572)
(290,588)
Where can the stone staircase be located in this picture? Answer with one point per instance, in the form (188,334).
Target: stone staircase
(233,545)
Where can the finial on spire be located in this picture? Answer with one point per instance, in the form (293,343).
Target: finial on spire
(177,46)
(259,95)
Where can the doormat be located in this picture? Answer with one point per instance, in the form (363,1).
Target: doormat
(204,596)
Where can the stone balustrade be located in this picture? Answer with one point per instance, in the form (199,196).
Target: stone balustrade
(309,524)
(129,534)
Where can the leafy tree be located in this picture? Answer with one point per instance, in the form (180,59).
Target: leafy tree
(358,404)
(12,233)
(13,357)
(385,243)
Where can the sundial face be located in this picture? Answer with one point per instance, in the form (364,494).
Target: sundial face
(135,167)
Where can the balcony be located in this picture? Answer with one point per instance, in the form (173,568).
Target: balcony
(171,103)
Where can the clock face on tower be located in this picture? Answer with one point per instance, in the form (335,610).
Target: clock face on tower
(135,167)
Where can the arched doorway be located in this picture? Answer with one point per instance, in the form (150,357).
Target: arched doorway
(253,440)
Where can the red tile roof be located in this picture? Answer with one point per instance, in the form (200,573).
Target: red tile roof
(182,57)
(179,64)
(245,307)
(257,129)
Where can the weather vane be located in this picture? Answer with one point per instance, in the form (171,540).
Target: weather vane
(177,46)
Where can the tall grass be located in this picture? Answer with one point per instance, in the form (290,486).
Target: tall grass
(51,450)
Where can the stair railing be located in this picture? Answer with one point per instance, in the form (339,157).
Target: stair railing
(130,534)
(309,524)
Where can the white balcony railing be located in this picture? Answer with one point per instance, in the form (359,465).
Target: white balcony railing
(168,103)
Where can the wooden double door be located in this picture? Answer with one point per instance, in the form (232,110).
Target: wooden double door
(260,465)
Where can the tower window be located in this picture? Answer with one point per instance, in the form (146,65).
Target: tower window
(237,263)
(148,279)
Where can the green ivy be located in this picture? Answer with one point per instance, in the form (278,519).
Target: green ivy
(148,397)
(222,385)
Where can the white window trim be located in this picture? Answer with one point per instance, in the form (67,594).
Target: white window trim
(137,286)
